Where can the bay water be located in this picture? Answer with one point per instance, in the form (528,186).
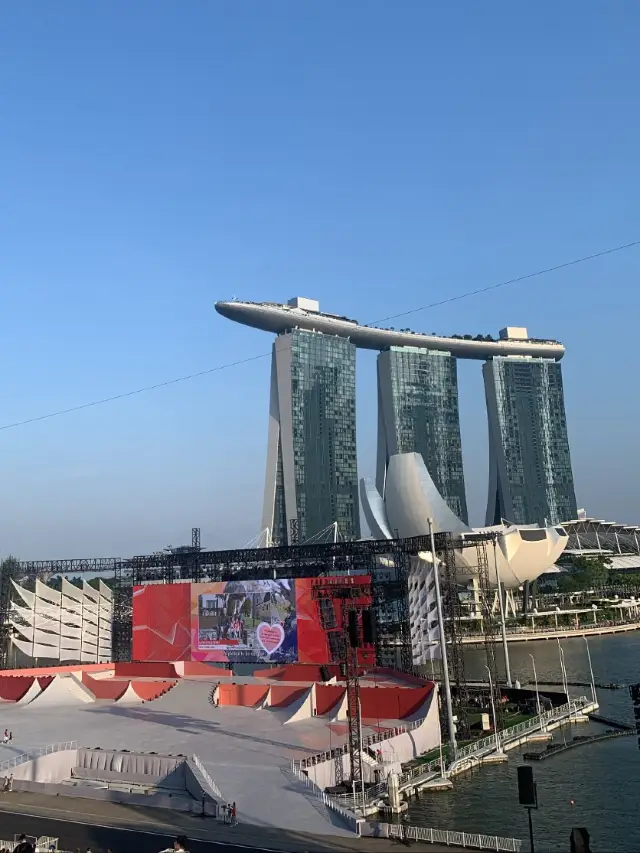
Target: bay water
(596,786)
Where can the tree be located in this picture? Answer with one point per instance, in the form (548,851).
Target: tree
(586,573)
(11,565)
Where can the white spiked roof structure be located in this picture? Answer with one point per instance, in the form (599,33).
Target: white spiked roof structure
(67,625)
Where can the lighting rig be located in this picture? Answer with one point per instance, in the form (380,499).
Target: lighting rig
(355,630)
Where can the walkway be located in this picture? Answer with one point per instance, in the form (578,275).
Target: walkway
(583,740)
(528,635)
(79,823)
(474,754)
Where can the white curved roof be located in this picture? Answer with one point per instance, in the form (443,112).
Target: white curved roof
(522,553)
(272,317)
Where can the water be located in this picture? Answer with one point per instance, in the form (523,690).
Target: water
(603,779)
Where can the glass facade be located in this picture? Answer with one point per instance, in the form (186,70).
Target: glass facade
(529,442)
(323,413)
(418,393)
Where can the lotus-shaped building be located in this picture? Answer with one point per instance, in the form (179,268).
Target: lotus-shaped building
(522,552)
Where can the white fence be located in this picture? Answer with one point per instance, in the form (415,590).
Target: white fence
(207,778)
(41,844)
(370,740)
(10,763)
(473,840)
(348,805)
(331,803)
(506,735)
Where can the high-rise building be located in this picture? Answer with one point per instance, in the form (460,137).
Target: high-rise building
(530,476)
(418,413)
(312,478)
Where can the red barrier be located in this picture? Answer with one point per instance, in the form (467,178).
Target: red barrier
(150,690)
(145,670)
(55,670)
(282,697)
(327,697)
(247,695)
(44,681)
(13,688)
(104,688)
(392,703)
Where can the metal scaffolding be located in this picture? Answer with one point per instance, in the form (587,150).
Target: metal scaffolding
(450,586)
(389,583)
(350,595)
(490,627)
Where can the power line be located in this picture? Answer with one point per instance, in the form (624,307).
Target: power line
(231,364)
(511,281)
(133,393)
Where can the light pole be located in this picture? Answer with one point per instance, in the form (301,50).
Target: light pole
(593,684)
(443,647)
(364,800)
(503,627)
(564,675)
(493,711)
(535,681)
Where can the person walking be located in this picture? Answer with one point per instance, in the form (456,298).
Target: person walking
(234,822)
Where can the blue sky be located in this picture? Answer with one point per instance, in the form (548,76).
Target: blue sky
(377,156)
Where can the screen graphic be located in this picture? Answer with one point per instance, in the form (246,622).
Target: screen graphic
(244,621)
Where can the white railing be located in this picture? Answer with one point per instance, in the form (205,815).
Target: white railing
(476,841)
(508,734)
(206,776)
(478,747)
(369,740)
(419,770)
(10,763)
(347,815)
(41,844)
(487,744)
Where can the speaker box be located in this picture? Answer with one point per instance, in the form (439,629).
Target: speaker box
(353,629)
(526,787)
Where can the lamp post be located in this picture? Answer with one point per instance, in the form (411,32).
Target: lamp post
(564,675)
(593,684)
(443,647)
(503,627)
(493,711)
(535,681)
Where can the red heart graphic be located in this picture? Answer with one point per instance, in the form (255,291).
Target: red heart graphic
(270,637)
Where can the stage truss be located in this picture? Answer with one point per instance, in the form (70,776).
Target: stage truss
(387,562)
(346,655)
(453,610)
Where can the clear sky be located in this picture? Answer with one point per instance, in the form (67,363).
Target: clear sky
(378,156)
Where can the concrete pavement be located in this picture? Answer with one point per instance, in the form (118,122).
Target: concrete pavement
(125,829)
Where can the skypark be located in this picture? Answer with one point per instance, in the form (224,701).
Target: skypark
(305,314)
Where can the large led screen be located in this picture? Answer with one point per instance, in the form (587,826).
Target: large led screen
(244,621)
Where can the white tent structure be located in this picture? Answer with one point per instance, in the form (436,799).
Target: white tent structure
(69,626)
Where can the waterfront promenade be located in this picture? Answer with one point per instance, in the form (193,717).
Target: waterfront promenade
(526,635)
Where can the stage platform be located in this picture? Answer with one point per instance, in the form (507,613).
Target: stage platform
(246,750)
